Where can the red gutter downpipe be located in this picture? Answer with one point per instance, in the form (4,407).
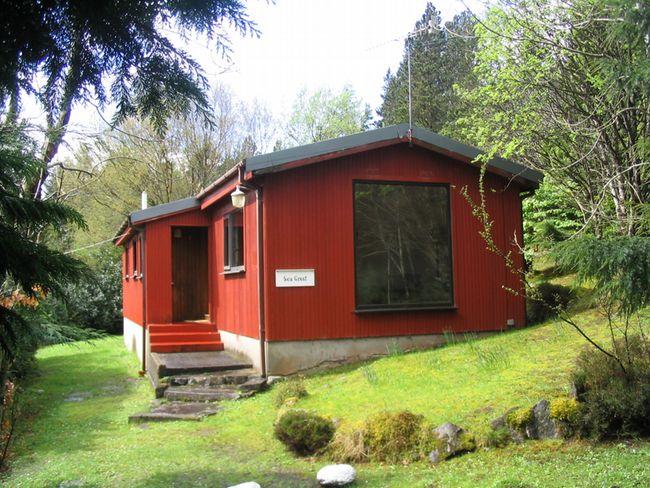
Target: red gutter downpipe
(260,260)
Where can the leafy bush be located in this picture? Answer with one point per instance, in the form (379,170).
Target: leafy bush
(545,300)
(618,268)
(93,302)
(396,436)
(615,403)
(293,388)
(303,432)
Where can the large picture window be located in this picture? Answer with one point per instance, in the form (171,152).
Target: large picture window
(402,246)
(233,241)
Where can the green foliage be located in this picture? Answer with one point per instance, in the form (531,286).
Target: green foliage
(519,418)
(617,267)
(370,374)
(291,388)
(489,356)
(93,302)
(305,433)
(564,88)
(440,58)
(78,47)
(29,269)
(546,300)
(394,436)
(550,216)
(498,437)
(615,404)
(325,115)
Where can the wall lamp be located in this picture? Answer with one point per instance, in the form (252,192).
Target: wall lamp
(238,197)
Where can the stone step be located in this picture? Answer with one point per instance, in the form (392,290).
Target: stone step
(201,363)
(171,411)
(202,393)
(235,377)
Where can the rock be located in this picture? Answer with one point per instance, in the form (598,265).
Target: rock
(253,384)
(248,484)
(79,396)
(336,475)
(273,379)
(434,456)
(542,425)
(71,484)
(501,423)
(453,441)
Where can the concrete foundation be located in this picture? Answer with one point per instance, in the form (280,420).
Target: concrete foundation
(244,345)
(133,337)
(289,357)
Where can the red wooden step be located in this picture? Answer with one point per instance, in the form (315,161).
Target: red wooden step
(184,337)
(183,327)
(187,346)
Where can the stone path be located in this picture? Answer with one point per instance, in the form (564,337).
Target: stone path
(190,386)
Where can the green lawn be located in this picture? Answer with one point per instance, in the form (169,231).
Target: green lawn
(91,443)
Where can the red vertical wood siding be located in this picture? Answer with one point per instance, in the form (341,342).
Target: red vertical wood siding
(158,251)
(309,224)
(131,288)
(234,296)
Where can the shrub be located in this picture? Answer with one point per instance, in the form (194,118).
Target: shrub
(519,418)
(498,437)
(349,445)
(293,388)
(395,436)
(545,300)
(303,432)
(614,403)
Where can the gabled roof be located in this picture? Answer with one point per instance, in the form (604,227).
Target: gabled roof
(164,209)
(288,158)
(155,212)
(276,161)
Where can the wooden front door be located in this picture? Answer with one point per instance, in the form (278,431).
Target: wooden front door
(189,273)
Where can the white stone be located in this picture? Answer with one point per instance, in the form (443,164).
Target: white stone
(336,475)
(248,484)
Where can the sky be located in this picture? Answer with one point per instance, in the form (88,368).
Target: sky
(316,44)
(303,44)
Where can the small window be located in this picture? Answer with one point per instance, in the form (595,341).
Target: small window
(233,241)
(134,249)
(125,258)
(402,246)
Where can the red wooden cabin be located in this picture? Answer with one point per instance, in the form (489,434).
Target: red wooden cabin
(341,250)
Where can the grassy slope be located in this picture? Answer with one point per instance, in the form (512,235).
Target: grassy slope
(91,441)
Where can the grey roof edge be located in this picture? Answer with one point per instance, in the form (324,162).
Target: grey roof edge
(267,162)
(471,152)
(164,209)
(277,158)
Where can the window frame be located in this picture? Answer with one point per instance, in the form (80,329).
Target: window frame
(361,309)
(227,267)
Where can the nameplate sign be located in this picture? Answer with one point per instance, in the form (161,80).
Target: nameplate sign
(285,278)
